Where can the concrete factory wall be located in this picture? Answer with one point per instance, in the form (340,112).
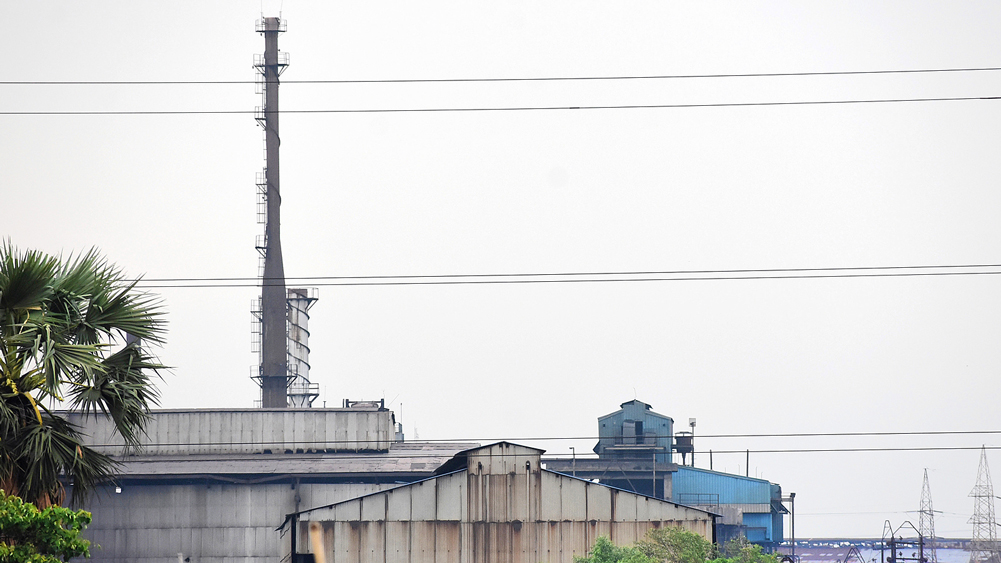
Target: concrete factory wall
(499,507)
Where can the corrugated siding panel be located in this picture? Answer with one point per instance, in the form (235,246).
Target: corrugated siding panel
(372,540)
(447,542)
(397,542)
(551,497)
(523,543)
(350,510)
(520,496)
(643,508)
(573,499)
(623,506)
(422,540)
(600,528)
(399,505)
(341,542)
(465,539)
(497,498)
(422,503)
(449,497)
(599,502)
(625,533)
(373,507)
(574,541)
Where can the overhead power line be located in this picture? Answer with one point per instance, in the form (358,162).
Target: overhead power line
(510,108)
(572,280)
(593,437)
(420,454)
(595,273)
(500,79)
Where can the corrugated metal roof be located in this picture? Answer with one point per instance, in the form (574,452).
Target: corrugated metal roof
(402,458)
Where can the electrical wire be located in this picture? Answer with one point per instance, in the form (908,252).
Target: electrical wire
(512,79)
(340,441)
(573,280)
(509,108)
(321,445)
(595,273)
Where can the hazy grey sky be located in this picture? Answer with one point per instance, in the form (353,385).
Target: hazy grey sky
(812,186)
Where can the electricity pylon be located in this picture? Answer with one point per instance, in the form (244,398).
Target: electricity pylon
(984,547)
(927,523)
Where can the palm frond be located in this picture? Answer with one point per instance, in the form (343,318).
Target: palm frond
(62,325)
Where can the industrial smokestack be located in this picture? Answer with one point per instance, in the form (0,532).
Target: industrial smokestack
(274,361)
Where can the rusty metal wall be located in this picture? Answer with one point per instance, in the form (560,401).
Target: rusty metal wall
(502,509)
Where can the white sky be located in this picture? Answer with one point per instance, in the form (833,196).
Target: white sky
(559,191)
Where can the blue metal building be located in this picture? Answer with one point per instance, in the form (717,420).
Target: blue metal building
(750,507)
(636,448)
(635,432)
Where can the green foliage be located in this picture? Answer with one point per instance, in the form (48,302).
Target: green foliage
(676,545)
(62,342)
(742,551)
(28,535)
(604,551)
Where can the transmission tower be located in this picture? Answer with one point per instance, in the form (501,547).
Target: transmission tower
(926,525)
(983,548)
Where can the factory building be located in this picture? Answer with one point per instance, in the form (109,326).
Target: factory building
(212,485)
(638,451)
(748,506)
(491,504)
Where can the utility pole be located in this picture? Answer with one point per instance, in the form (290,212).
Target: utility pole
(691,422)
(926,525)
(791,499)
(984,547)
(274,346)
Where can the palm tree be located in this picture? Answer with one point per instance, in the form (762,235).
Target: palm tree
(64,343)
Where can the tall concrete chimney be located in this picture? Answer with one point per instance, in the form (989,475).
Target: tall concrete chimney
(274,361)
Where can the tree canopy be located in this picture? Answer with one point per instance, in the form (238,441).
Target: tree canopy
(29,535)
(676,545)
(70,334)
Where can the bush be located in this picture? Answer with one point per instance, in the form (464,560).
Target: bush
(29,535)
(676,545)
(742,551)
(604,551)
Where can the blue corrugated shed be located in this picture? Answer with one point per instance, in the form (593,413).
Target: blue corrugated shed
(731,489)
(750,506)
